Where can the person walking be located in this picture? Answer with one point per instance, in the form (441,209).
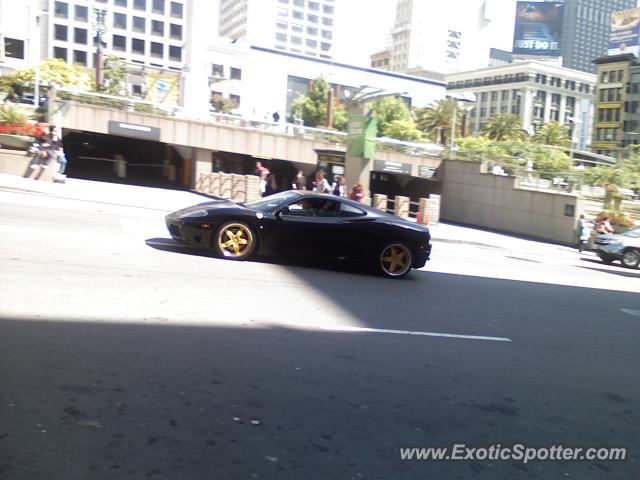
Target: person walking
(276,117)
(604,226)
(339,186)
(584,231)
(300,182)
(357,193)
(321,185)
(263,173)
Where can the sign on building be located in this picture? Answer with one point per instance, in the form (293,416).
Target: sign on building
(538,28)
(135,131)
(625,32)
(361,139)
(392,167)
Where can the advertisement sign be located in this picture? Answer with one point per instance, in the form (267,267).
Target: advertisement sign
(361,138)
(134,131)
(163,88)
(625,32)
(538,28)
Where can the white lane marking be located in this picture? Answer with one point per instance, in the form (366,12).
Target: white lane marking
(339,328)
(631,311)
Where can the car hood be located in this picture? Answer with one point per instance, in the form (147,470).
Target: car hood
(401,222)
(207,206)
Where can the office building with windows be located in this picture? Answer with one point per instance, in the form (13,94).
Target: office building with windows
(144,32)
(586,29)
(22,33)
(617,104)
(535,91)
(452,36)
(304,27)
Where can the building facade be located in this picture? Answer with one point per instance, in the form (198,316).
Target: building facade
(381,60)
(441,39)
(586,30)
(535,91)
(23,33)
(305,27)
(617,107)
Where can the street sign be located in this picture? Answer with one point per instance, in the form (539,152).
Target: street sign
(392,167)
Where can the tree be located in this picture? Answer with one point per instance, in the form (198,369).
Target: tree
(553,133)
(504,126)
(59,72)
(435,120)
(388,110)
(403,130)
(312,108)
(221,104)
(115,72)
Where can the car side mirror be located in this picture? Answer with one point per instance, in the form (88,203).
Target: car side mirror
(282,211)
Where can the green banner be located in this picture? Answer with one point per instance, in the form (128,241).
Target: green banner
(361,141)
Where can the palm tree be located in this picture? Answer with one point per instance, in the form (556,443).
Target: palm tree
(435,120)
(553,133)
(504,126)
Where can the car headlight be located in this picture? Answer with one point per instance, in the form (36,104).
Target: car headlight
(197,213)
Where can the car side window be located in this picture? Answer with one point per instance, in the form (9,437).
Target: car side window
(351,211)
(313,207)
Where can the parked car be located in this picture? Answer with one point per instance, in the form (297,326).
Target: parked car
(309,225)
(623,246)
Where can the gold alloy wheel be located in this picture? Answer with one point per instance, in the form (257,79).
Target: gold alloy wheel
(395,260)
(235,240)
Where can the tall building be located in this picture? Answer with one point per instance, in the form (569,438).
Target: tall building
(299,26)
(146,32)
(23,28)
(586,30)
(617,114)
(454,36)
(537,92)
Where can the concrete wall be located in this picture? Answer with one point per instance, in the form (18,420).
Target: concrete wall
(491,201)
(16,162)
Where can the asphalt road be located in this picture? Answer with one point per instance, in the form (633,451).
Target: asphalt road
(126,356)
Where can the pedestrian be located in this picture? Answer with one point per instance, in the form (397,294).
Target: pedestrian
(276,117)
(321,185)
(528,167)
(584,231)
(357,193)
(271,185)
(339,186)
(263,173)
(604,226)
(300,182)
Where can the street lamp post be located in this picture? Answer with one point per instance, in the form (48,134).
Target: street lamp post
(101,29)
(36,90)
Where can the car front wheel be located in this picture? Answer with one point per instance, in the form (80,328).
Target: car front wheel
(631,258)
(234,241)
(395,260)
(606,258)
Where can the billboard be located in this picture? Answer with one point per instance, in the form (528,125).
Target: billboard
(538,28)
(625,32)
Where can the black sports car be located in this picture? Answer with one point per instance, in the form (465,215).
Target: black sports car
(304,224)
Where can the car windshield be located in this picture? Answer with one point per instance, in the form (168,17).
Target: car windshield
(272,202)
(634,233)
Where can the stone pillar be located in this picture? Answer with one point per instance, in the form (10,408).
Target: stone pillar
(547,107)
(357,170)
(423,213)
(433,208)
(380,202)
(202,163)
(563,108)
(526,109)
(401,206)
(252,183)
(238,188)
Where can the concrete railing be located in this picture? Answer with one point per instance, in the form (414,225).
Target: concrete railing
(239,188)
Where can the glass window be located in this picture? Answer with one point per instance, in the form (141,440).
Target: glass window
(175,53)
(311,43)
(61,53)
(298,3)
(80,57)
(281,37)
(313,6)
(325,46)
(14,48)
(157,49)
(176,31)
(312,207)
(327,21)
(297,28)
(282,25)
(297,15)
(120,3)
(81,13)
(138,24)
(61,10)
(157,27)
(348,210)
(296,40)
(312,31)
(176,11)
(80,35)
(235,99)
(236,73)
(140,4)
(60,32)
(119,20)
(327,9)
(158,6)
(283,12)
(119,42)
(326,34)
(137,46)
(217,70)
(312,18)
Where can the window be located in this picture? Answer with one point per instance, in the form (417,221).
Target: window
(140,4)
(61,53)
(484,96)
(137,46)
(120,3)
(325,46)
(328,9)
(119,42)
(347,210)
(494,96)
(158,6)
(60,32)
(312,18)
(298,3)
(119,20)
(175,53)
(61,10)
(176,31)
(313,207)
(80,35)
(312,31)
(297,15)
(282,25)
(235,99)
(296,40)
(296,28)
(326,34)
(176,11)
(157,27)
(283,12)
(13,48)
(313,6)
(281,37)
(217,70)
(312,43)
(80,57)
(138,24)
(504,95)
(157,49)
(81,13)
(327,21)
(236,73)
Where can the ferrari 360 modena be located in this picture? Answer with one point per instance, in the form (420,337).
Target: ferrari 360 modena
(305,225)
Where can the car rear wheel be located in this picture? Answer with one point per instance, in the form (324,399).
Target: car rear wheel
(395,260)
(606,258)
(234,241)
(631,258)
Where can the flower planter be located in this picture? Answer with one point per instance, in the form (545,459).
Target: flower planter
(20,142)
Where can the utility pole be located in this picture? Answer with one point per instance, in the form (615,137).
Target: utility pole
(101,29)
